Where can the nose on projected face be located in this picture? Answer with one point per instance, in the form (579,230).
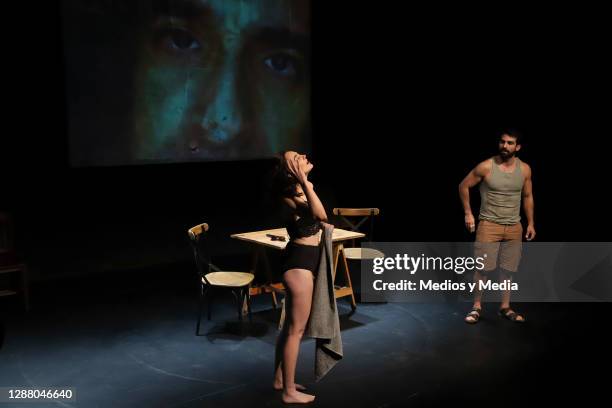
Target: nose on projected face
(219,131)
(221,122)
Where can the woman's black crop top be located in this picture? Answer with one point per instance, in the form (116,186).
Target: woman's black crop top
(304,226)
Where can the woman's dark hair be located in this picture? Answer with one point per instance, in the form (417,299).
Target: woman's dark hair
(284,184)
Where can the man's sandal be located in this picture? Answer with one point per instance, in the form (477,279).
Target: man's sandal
(473,316)
(511,315)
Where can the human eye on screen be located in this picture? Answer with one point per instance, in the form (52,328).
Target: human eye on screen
(176,40)
(284,64)
(175,37)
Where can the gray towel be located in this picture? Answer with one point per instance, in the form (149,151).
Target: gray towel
(324,324)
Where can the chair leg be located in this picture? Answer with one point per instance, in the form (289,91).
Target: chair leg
(210,299)
(200,303)
(274,300)
(239,299)
(243,299)
(247,295)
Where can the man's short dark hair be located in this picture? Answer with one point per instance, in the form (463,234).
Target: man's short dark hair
(512,133)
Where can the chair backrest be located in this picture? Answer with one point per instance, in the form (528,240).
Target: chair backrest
(354,218)
(199,245)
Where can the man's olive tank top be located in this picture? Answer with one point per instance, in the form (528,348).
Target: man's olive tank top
(500,195)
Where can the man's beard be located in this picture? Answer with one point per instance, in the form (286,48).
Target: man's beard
(506,154)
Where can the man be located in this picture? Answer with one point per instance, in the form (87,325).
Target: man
(504,180)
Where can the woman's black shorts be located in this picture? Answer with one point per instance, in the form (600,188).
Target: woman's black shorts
(298,256)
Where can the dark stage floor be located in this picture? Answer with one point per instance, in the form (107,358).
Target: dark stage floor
(131,344)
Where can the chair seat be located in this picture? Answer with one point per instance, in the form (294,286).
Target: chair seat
(362,253)
(231,279)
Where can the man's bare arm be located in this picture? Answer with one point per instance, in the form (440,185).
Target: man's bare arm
(474,177)
(528,203)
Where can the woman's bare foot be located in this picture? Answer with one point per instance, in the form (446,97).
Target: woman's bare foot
(296,397)
(278,386)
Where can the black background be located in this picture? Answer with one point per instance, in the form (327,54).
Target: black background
(406,100)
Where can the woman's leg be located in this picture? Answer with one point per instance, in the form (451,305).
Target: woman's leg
(280,346)
(299,284)
(278,353)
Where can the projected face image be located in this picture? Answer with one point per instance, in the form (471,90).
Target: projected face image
(222,79)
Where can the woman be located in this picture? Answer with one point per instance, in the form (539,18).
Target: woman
(301,259)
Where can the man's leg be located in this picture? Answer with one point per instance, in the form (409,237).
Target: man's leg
(504,307)
(505,275)
(479,278)
(509,260)
(487,247)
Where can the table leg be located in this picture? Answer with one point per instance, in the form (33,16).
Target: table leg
(338,250)
(260,256)
(348,280)
(268,273)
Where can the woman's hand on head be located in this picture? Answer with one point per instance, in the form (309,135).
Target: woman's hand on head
(296,168)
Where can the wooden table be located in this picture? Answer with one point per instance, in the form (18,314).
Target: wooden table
(261,241)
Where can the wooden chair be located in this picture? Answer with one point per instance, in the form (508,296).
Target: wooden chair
(10,264)
(212,278)
(354,219)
